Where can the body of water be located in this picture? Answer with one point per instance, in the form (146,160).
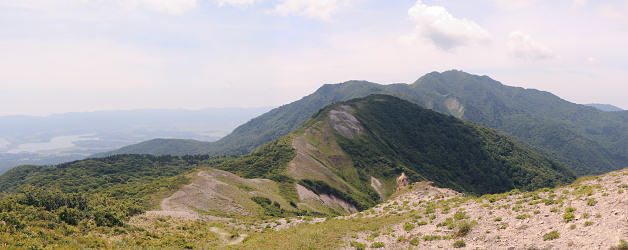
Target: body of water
(4,143)
(58,142)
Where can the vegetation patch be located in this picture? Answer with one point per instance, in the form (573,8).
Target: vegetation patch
(459,244)
(551,236)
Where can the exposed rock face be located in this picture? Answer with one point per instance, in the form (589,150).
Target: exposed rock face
(454,107)
(378,186)
(402,181)
(325,199)
(345,123)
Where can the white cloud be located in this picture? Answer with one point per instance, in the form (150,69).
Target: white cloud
(514,4)
(172,7)
(237,3)
(319,9)
(439,26)
(579,3)
(523,46)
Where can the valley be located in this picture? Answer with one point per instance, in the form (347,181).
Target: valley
(67,137)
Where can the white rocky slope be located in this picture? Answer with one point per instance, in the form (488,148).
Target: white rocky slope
(592,213)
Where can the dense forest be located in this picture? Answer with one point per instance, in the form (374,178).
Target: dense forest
(452,153)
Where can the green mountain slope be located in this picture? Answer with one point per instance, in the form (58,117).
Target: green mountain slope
(604,107)
(589,141)
(135,177)
(352,152)
(384,136)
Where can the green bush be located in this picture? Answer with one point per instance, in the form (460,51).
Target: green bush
(408,226)
(432,237)
(358,245)
(378,244)
(108,216)
(622,246)
(460,215)
(414,242)
(68,215)
(569,216)
(459,244)
(591,202)
(463,229)
(551,236)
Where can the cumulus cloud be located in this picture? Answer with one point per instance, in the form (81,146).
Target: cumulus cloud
(319,9)
(523,46)
(515,4)
(436,24)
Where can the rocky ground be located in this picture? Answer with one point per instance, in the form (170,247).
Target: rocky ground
(592,213)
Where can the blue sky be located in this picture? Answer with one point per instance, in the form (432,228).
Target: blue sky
(84,55)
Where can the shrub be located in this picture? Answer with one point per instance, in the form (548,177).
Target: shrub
(109,217)
(570,209)
(498,219)
(459,244)
(414,242)
(460,215)
(432,237)
(591,202)
(588,223)
(358,245)
(569,216)
(71,216)
(622,246)
(408,226)
(463,229)
(522,216)
(551,236)
(378,244)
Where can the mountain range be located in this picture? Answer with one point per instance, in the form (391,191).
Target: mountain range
(346,158)
(587,140)
(605,107)
(391,166)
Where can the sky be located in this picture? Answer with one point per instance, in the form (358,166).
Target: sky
(61,56)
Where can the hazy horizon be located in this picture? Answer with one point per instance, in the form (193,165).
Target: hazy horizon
(63,56)
(131,109)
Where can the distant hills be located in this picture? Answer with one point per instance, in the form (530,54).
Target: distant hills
(584,138)
(604,107)
(66,137)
